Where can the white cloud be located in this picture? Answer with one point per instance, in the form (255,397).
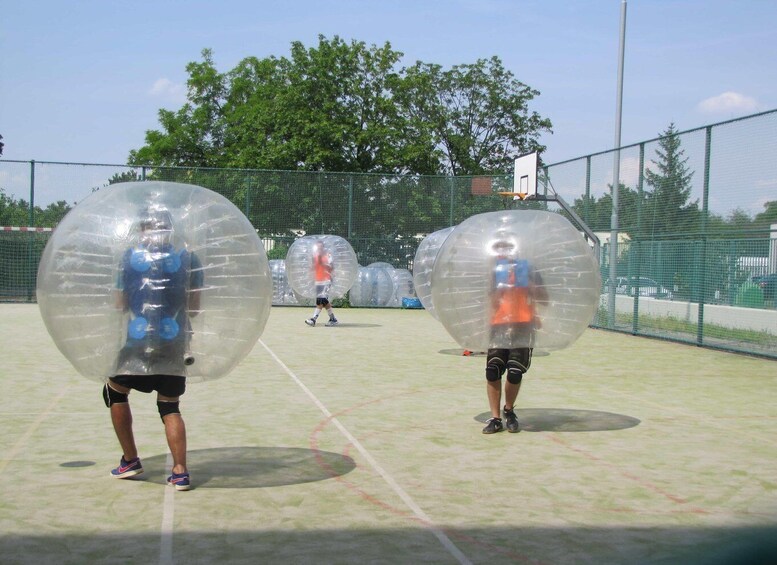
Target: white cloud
(168,90)
(728,102)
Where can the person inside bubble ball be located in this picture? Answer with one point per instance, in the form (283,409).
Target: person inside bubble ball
(516,290)
(158,287)
(322,271)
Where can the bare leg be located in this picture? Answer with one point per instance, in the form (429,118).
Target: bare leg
(511,394)
(494,391)
(175,431)
(121,417)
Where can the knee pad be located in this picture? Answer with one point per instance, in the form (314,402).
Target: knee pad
(111,396)
(166,408)
(514,374)
(494,369)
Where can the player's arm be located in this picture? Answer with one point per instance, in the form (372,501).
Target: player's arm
(194,294)
(120,298)
(120,301)
(539,292)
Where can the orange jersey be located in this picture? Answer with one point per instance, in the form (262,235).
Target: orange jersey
(511,293)
(513,306)
(322,266)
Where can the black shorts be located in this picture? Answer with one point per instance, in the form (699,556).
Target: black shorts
(520,356)
(172,386)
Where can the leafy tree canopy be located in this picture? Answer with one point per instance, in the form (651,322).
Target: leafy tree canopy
(348,107)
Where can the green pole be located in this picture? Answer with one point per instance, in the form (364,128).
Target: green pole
(452,191)
(705,213)
(32,193)
(30,236)
(350,206)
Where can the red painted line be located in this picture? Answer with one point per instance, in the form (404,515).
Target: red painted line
(638,480)
(386,506)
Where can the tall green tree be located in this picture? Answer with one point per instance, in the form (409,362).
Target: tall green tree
(476,115)
(597,213)
(765,219)
(15,212)
(194,135)
(669,207)
(346,107)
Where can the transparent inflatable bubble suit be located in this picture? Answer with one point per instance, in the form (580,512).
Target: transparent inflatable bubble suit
(423,264)
(373,287)
(170,243)
(463,277)
(282,293)
(402,281)
(301,265)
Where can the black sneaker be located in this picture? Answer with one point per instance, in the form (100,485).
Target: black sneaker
(311,321)
(511,421)
(332,322)
(493,425)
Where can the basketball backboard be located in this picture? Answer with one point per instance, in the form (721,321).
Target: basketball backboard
(525,176)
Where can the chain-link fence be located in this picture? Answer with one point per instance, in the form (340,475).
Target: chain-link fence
(696,237)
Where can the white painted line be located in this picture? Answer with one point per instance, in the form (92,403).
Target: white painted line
(439,534)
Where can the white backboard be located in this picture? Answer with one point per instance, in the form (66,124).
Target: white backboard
(525,179)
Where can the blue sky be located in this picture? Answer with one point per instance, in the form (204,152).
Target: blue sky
(82,80)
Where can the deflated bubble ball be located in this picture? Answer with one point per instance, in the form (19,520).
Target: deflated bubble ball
(470,266)
(321,264)
(154,278)
(423,264)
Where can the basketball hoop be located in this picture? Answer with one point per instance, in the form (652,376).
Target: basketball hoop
(515,195)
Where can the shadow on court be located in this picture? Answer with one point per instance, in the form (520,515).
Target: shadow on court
(254,467)
(560,420)
(658,546)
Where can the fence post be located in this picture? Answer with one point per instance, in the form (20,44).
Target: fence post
(705,213)
(30,263)
(452,191)
(247,201)
(32,193)
(586,215)
(350,205)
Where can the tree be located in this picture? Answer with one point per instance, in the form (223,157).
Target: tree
(125,176)
(345,107)
(194,135)
(597,214)
(17,212)
(668,204)
(476,115)
(765,219)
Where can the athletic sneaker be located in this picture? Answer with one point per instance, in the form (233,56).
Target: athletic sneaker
(311,321)
(127,469)
(180,481)
(332,322)
(493,425)
(511,421)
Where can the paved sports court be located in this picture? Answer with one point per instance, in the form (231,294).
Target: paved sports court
(362,444)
